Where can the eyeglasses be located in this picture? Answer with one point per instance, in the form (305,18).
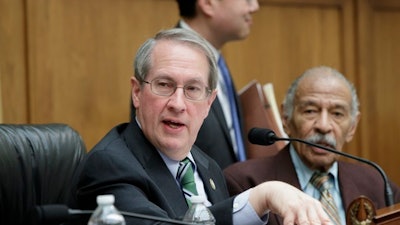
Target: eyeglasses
(194,90)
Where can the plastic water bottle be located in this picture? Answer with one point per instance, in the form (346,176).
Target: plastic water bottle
(106,213)
(198,212)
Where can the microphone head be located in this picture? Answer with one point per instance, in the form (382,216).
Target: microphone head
(50,214)
(261,136)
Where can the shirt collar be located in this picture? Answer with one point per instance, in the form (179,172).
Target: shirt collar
(304,173)
(173,164)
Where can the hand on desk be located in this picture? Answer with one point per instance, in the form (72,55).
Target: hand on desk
(299,208)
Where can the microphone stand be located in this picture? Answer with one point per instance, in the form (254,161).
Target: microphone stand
(79,212)
(57,214)
(388,190)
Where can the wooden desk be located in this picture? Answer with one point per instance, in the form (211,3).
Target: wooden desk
(362,212)
(388,216)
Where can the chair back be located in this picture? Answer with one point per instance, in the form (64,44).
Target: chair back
(38,166)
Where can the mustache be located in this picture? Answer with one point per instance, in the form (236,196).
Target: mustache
(322,138)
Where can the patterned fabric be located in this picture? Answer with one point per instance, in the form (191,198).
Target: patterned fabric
(321,182)
(185,176)
(232,104)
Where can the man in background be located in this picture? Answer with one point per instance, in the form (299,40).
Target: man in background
(219,22)
(321,106)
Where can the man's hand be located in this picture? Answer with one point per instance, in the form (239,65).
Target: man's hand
(294,206)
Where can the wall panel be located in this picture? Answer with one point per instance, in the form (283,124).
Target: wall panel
(13,73)
(81,55)
(379,72)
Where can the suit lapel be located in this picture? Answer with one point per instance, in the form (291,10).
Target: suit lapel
(166,181)
(219,114)
(158,172)
(288,174)
(215,189)
(348,189)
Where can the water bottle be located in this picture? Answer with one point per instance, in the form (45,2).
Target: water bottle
(106,213)
(198,212)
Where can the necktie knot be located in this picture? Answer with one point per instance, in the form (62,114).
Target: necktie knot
(321,181)
(185,176)
(185,171)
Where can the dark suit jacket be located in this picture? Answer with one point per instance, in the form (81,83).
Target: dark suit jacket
(125,164)
(354,179)
(214,138)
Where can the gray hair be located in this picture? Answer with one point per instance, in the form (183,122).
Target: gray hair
(288,102)
(143,60)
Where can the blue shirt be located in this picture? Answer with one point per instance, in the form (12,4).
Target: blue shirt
(304,175)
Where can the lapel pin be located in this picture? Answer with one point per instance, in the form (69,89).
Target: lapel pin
(212,184)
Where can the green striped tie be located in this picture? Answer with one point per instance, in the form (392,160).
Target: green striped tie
(185,176)
(321,182)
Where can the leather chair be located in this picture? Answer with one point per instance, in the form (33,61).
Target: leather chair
(38,166)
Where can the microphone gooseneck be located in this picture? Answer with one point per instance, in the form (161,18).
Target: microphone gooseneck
(57,214)
(262,136)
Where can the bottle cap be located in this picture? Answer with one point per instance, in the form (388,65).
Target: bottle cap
(105,199)
(197,199)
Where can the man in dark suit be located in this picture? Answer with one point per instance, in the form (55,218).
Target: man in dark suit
(140,162)
(321,106)
(220,22)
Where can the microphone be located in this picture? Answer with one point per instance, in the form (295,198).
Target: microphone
(57,214)
(262,136)
(51,214)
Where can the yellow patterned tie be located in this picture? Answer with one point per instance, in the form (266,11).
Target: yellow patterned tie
(321,182)
(185,176)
